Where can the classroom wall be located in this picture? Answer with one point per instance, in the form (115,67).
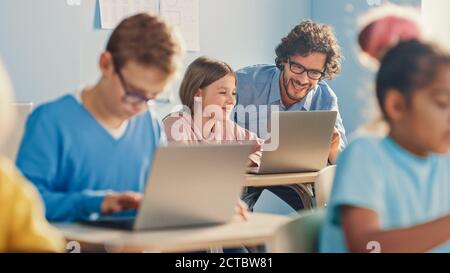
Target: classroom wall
(51,48)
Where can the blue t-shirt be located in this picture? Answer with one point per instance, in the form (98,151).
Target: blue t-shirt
(74,161)
(259,85)
(378,174)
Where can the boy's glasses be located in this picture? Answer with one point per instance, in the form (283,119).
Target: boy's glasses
(299,69)
(133,96)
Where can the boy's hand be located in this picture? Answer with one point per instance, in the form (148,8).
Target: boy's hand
(117,202)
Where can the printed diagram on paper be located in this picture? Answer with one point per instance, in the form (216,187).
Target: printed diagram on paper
(185,15)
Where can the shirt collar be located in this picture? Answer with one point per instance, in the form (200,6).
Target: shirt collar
(274,96)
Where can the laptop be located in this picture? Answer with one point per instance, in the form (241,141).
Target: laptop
(188,186)
(303,138)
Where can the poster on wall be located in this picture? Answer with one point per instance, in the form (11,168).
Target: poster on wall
(185,15)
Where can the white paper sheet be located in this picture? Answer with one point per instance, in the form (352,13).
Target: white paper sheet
(112,12)
(185,15)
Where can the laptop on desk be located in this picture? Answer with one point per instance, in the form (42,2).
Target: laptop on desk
(188,186)
(303,138)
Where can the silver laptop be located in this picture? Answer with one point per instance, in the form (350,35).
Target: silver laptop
(303,139)
(189,186)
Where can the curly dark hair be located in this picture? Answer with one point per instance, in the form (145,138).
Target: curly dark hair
(311,37)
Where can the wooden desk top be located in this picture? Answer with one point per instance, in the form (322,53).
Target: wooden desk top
(258,229)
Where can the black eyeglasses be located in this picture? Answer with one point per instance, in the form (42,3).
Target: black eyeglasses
(299,69)
(133,96)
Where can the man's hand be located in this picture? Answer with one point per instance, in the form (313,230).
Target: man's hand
(117,202)
(334,146)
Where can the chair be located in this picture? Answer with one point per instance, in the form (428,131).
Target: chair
(299,235)
(11,147)
(323,184)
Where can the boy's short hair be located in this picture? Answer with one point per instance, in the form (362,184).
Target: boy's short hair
(147,40)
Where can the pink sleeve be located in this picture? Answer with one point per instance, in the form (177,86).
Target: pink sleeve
(182,136)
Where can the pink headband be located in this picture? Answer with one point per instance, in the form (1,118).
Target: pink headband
(387,31)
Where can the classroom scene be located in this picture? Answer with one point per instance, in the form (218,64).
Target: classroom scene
(224,126)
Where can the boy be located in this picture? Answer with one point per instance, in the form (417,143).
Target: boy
(89,153)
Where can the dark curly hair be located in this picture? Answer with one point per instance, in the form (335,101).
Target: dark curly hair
(311,37)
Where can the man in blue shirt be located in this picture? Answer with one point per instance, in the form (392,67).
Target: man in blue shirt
(307,56)
(89,153)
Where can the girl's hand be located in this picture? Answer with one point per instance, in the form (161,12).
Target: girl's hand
(242,209)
